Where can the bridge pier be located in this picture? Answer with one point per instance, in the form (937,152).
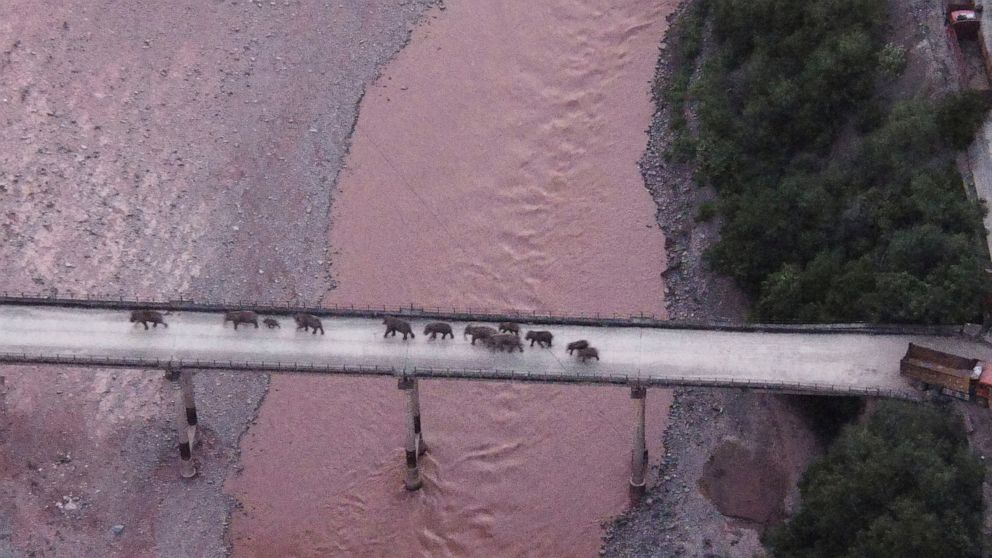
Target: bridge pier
(639,452)
(187,423)
(186,385)
(417,429)
(414,437)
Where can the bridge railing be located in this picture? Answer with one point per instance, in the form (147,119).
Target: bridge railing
(482,374)
(467,314)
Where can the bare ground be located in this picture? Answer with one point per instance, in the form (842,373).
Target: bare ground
(188,148)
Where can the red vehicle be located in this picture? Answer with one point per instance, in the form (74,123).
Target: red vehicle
(964,22)
(963,19)
(983,389)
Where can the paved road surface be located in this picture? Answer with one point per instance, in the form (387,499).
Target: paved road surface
(834,362)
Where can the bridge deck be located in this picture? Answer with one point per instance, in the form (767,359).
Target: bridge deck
(825,362)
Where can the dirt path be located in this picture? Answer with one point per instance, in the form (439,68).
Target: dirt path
(494,165)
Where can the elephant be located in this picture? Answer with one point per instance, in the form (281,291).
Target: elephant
(146,316)
(396,325)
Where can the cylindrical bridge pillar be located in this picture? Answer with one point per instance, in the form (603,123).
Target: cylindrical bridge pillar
(415,401)
(186,385)
(414,436)
(639,452)
(187,424)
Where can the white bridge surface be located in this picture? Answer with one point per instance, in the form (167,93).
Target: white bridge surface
(820,362)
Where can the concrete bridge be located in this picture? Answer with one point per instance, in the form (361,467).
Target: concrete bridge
(636,351)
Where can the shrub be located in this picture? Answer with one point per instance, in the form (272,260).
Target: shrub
(706,212)
(960,116)
(892,60)
(902,484)
(682,148)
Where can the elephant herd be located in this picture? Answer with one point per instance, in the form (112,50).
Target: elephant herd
(236,317)
(504,337)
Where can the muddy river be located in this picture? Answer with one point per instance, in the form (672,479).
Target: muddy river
(494,165)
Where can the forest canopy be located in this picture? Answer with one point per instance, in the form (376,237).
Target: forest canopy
(837,206)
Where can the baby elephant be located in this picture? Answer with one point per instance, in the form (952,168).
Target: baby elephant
(396,325)
(271,323)
(509,327)
(145,316)
(241,317)
(543,338)
(577,345)
(307,321)
(479,332)
(588,353)
(503,341)
(433,329)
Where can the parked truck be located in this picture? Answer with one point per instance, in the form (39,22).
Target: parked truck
(964,378)
(964,17)
(962,20)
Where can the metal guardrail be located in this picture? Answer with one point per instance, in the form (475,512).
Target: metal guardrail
(463,314)
(457,374)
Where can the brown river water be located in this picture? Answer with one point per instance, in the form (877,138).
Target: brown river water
(493,166)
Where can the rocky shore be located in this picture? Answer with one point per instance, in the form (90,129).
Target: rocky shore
(692,291)
(732,458)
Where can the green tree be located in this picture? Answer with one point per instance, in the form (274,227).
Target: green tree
(902,484)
